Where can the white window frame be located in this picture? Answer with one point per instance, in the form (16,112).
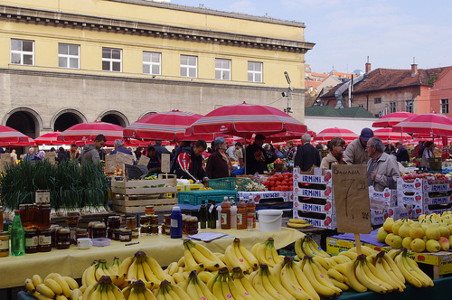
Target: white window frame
(224,72)
(150,63)
(444,106)
(112,60)
(254,72)
(392,107)
(185,68)
(22,52)
(67,57)
(409,106)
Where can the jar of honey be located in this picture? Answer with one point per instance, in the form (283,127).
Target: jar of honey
(81,233)
(145,220)
(135,233)
(44,239)
(63,238)
(124,234)
(114,222)
(131,222)
(4,243)
(31,240)
(149,210)
(43,215)
(99,230)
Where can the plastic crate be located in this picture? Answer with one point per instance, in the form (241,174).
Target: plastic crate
(227,183)
(195,197)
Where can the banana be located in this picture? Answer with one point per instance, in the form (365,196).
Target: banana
(270,288)
(205,276)
(366,281)
(298,221)
(231,258)
(39,296)
(260,252)
(299,249)
(323,277)
(298,225)
(322,262)
(209,264)
(394,267)
(45,290)
(385,274)
(72,283)
(261,288)
(244,264)
(63,284)
(29,285)
(336,275)
(291,285)
(340,259)
(391,273)
(315,248)
(216,289)
(36,279)
(149,274)
(208,254)
(341,285)
(236,292)
(75,294)
(140,271)
(405,270)
(61,297)
(156,268)
(350,274)
(190,262)
(125,264)
(148,295)
(181,262)
(319,286)
(53,285)
(117,293)
(373,274)
(421,275)
(304,282)
(132,273)
(249,257)
(89,277)
(248,287)
(349,254)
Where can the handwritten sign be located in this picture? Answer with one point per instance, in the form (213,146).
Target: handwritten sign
(117,160)
(166,163)
(143,161)
(351,198)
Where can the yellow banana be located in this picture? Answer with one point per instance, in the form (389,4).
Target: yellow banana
(36,279)
(39,296)
(303,281)
(180,292)
(426,280)
(349,254)
(75,294)
(405,270)
(340,259)
(336,275)
(350,274)
(319,286)
(132,273)
(190,262)
(89,277)
(366,281)
(208,254)
(394,267)
(249,257)
(315,248)
(53,285)
(322,262)
(61,297)
(299,249)
(172,268)
(323,277)
(217,290)
(291,285)
(71,282)
(45,290)
(298,225)
(298,221)
(385,275)
(63,284)
(205,276)
(391,273)
(244,265)
(341,285)
(29,285)
(125,264)
(117,292)
(156,268)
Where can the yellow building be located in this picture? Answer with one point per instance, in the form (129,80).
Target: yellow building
(68,61)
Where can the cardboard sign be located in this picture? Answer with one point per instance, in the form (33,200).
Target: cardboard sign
(351,198)
(166,163)
(143,161)
(117,160)
(5,159)
(50,157)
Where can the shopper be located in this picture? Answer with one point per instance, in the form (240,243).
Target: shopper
(256,161)
(119,147)
(335,155)
(219,164)
(154,163)
(73,153)
(91,151)
(307,155)
(382,168)
(401,153)
(13,155)
(30,155)
(189,161)
(427,154)
(355,153)
(62,155)
(291,150)
(160,149)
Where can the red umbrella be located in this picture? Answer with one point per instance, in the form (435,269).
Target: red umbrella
(430,125)
(390,134)
(83,133)
(10,135)
(48,139)
(22,143)
(329,133)
(392,119)
(246,119)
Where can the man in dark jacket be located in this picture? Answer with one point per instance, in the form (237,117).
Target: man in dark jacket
(91,151)
(189,162)
(401,153)
(256,161)
(307,155)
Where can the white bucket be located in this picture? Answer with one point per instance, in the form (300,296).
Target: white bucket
(270,220)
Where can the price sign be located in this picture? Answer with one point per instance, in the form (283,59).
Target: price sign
(166,163)
(351,198)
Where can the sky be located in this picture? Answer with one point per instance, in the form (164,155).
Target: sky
(346,32)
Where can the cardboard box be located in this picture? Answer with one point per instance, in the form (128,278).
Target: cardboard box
(320,220)
(386,198)
(314,204)
(436,208)
(436,200)
(378,216)
(334,246)
(415,199)
(266,195)
(316,176)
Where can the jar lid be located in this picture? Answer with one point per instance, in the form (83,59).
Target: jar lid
(81,230)
(4,233)
(149,206)
(99,225)
(63,230)
(45,205)
(130,218)
(32,229)
(43,229)
(125,230)
(114,217)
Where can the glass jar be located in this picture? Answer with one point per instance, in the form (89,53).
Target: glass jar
(131,222)
(167,219)
(43,216)
(145,220)
(114,222)
(149,210)
(154,229)
(99,230)
(23,211)
(81,233)
(44,239)
(124,234)
(63,238)
(33,215)
(135,233)
(4,243)
(31,240)
(72,218)
(90,228)
(153,219)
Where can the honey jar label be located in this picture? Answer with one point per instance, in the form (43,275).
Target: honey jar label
(45,240)
(4,246)
(31,242)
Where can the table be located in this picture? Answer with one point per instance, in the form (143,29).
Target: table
(72,262)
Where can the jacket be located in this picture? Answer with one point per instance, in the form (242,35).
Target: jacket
(187,164)
(306,156)
(355,153)
(217,166)
(90,153)
(402,154)
(328,161)
(255,161)
(387,171)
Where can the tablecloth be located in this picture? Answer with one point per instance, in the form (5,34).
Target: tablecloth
(72,262)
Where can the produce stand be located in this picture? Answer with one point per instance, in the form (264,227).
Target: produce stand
(73,262)
(196,197)
(132,196)
(441,262)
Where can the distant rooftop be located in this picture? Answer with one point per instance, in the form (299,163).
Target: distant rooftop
(328,111)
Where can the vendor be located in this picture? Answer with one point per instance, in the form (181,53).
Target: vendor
(219,164)
(427,154)
(336,154)
(307,155)
(256,161)
(355,153)
(189,162)
(382,168)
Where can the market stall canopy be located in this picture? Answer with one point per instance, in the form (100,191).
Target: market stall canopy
(49,139)
(244,120)
(329,133)
(429,125)
(22,143)
(392,119)
(84,133)
(390,134)
(11,135)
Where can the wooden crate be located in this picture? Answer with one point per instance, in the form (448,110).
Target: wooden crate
(131,196)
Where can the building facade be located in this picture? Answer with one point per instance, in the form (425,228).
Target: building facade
(66,62)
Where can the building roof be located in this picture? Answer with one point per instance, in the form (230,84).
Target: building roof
(328,111)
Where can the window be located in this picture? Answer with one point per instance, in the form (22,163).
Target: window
(111,59)
(222,69)
(22,52)
(392,107)
(188,66)
(409,106)
(254,71)
(444,106)
(377,100)
(69,56)
(152,63)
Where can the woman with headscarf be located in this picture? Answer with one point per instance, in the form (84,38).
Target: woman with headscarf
(219,164)
(335,156)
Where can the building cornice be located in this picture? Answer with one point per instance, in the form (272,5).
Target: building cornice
(86,22)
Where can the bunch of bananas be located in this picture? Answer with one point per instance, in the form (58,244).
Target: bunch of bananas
(138,290)
(298,223)
(100,268)
(236,255)
(223,287)
(198,258)
(196,288)
(144,268)
(306,246)
(103,289)
(319,279)
(410,270)
(268,286)
(242,283)
(54,286)
(266,253)
(169,291)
